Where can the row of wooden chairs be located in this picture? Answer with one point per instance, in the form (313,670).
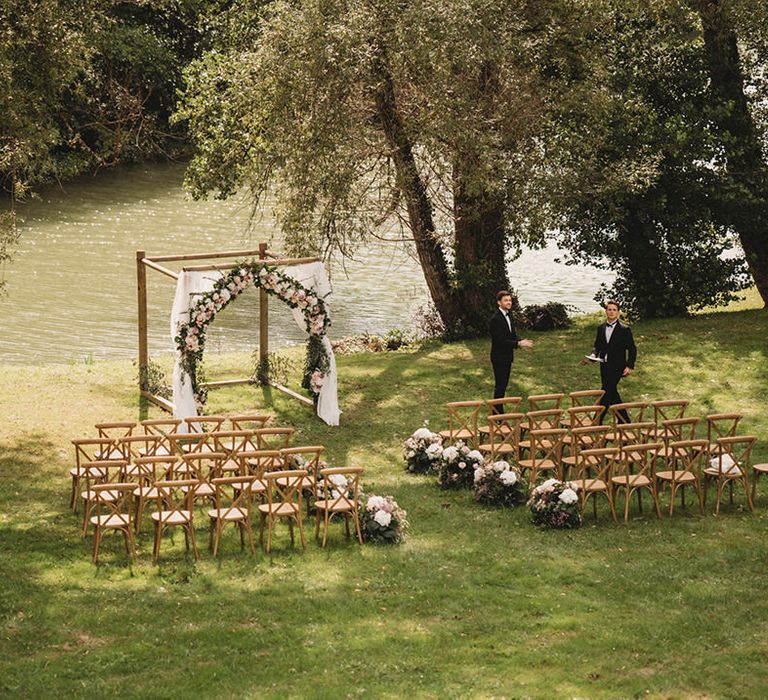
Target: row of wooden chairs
(232,499)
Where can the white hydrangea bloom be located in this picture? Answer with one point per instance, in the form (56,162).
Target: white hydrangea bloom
(568,496)
(375,503)
(450,453)
(475,456)
(383,518)
(508,477)
(422,434)
(434,451)
(479,474)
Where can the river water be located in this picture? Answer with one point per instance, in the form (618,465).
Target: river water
(71,289)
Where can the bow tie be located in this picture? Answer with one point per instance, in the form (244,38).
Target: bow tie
(610,325)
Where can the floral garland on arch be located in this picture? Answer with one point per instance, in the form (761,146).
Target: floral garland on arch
(190,339)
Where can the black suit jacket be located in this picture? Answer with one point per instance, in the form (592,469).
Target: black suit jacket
(503,340)
(621,351)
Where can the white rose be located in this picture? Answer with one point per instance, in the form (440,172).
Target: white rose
(479,474)
(450,453)
(434,451)
(383,518)
(475,456)
(500,466)
(422,434)
(568,496)
(547,486)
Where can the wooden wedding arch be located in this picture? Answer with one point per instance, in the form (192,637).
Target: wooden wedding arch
(145,262)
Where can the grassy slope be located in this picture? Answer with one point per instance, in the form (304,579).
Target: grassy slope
(476,603)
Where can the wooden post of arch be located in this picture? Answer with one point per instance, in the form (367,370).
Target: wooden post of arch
(263,317)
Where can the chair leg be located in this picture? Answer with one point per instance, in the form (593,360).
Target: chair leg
(326,522)
(96,543)
(247,524)
(290,529)
(301,530)
(270,523)
(745,482)
(357,526)
(192,537)
(755,475)
(317,522)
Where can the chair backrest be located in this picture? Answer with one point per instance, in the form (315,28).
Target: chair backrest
(547,445)
(135,446)
(597,463)
(160,426)
(190,443)
(739,449)
(248,421)
(679,429)
(589,437)
(115,430)
(626,433)
(204,424)
(233,495)
(634,409)
(543,420)
(587,397)
(507,404)
(463,416)
(204,466)
(113,501)
(584,416)
(97,449)
(257,462)
(100,471)
(543,402)
(687,456)
(175,500)
(157,467)
(639,459)
(307,457)
(505,431)
(273,438)
(287,493)
(721,425)
(668,410)
(231,441)
(339,487)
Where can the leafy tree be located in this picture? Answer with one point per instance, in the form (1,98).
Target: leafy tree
(636,158)
(365,113)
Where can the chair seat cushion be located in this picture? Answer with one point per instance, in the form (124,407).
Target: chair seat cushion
(116,520)
(683,477)
(632,480)
(279,508)
(590,485)
(173,517)
(335,506)
(228,513)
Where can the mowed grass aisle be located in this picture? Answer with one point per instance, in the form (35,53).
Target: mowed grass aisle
(476,603)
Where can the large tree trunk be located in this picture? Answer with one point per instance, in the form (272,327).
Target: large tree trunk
(414,191)
(479,248)
(747,200)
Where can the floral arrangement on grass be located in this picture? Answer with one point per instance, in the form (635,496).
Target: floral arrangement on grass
(382,520)
(190,337)
(457,466)
(555,504)
(499,484)
(422,451)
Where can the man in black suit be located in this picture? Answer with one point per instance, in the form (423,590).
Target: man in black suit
(504,340)
(615,346)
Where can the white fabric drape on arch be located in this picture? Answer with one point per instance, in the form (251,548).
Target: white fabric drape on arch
(192,284)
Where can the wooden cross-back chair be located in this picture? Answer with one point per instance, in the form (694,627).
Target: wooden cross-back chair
(462,422)
(204,424)
(506,404)
(636,469)
(232,504)
(545,402)
(307,457)
(230,442)
(175,508)
(203,468)
(675,430)
(504,437)
(668,410)
(581,417)
(635,410)
(87,451)
(163,428)
(538,420)
(546,452)
(256,463)
(757,471)
(731,465)
(628,433)
(273,438)
(133,447)
(594,471)
(248,421)
(590,437)
(112,513)
(338,493)
(283,491)
(96,473)
(190,443)
(683,463)
(152,468)
(720,425)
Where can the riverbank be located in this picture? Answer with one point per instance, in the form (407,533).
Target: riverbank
(475,603)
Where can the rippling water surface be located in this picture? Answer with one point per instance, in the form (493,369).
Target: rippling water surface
(72,285)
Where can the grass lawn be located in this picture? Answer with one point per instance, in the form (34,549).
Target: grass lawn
(476,603)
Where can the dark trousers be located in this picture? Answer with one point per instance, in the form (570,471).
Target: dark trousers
(610,377)
(501,370)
